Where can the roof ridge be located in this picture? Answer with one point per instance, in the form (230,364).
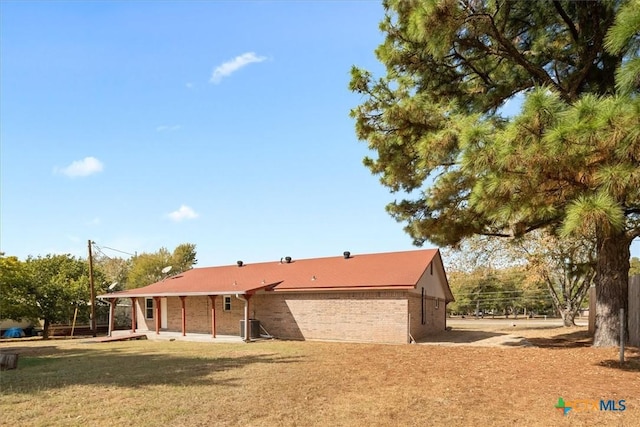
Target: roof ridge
(352,255)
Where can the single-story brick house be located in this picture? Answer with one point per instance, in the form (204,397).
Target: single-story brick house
(384,297)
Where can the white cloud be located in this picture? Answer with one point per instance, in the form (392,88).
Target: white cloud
(190,85)
(84,167)
(94,221)
(185,212)
(229,67)
(168,128)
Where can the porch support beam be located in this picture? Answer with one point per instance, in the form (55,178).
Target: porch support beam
(184,315)
(213,315)
(158,313)
(247,327)
(112,312)
(134,310)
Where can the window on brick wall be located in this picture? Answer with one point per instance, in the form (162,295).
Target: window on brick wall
(148,303)
(437,303)
(227,303)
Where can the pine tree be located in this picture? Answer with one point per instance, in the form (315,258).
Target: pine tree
(569,163)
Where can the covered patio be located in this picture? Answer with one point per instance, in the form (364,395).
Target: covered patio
(159,331)
(178,336)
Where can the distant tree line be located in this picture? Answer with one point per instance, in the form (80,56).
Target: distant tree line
(509,292)
(537,273)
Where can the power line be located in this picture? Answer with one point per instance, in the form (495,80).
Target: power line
(113,249)
(524,301)
(99,250)
(501,292)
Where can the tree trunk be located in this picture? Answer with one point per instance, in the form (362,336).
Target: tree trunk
(568,317)
(45,329)
(612,282)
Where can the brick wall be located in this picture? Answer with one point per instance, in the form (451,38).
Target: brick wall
(373,316)
(143,324)
(198,310)
(427,306)
(351,316)
(198,315)
(434,315)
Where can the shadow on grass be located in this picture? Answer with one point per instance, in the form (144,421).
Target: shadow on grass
(460,336)
(631,364)
(569,340)
(49,367)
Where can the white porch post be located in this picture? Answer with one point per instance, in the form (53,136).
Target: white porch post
(112,310)
(247,328)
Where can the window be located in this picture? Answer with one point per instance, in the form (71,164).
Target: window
(227,303)
(437,303)
(149,308)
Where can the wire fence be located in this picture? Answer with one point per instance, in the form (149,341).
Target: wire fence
(633,317)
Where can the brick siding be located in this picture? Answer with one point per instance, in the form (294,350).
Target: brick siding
(434,318)
(372,316)
(379,316)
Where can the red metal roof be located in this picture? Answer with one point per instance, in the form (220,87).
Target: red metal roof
(392,270)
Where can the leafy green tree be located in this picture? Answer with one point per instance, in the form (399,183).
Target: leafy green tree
(518,288)
(568,162)
(474,292)
(13,279)
(146,268)
(115,270)
(503,291)
(566,266)
(183,257)
(56,286)
(635,266)
(522,292)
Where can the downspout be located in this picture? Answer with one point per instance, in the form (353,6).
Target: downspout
(247,337)
(410,339)
(112,311)
(134,320)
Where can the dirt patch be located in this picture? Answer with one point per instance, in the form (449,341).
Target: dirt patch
(553,339)
(475,338)
(508,334)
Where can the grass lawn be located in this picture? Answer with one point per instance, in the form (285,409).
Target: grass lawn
(274,383)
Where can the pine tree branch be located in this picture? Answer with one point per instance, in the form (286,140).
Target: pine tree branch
(567,20)
(538,73)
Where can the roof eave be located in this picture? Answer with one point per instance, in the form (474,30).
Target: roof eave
(134,294)
(351,288)
(172,294)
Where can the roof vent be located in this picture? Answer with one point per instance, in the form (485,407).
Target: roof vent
(240,263)
(346,254)
(287,259)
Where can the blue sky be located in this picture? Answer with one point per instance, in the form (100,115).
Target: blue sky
(142,125)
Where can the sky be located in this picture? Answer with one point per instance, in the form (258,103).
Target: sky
(140,125)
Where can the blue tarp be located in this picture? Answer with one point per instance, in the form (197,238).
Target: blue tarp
(13,333)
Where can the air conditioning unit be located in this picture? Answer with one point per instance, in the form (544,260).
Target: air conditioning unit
(254,328)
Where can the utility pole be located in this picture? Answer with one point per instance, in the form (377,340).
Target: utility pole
(93,292)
